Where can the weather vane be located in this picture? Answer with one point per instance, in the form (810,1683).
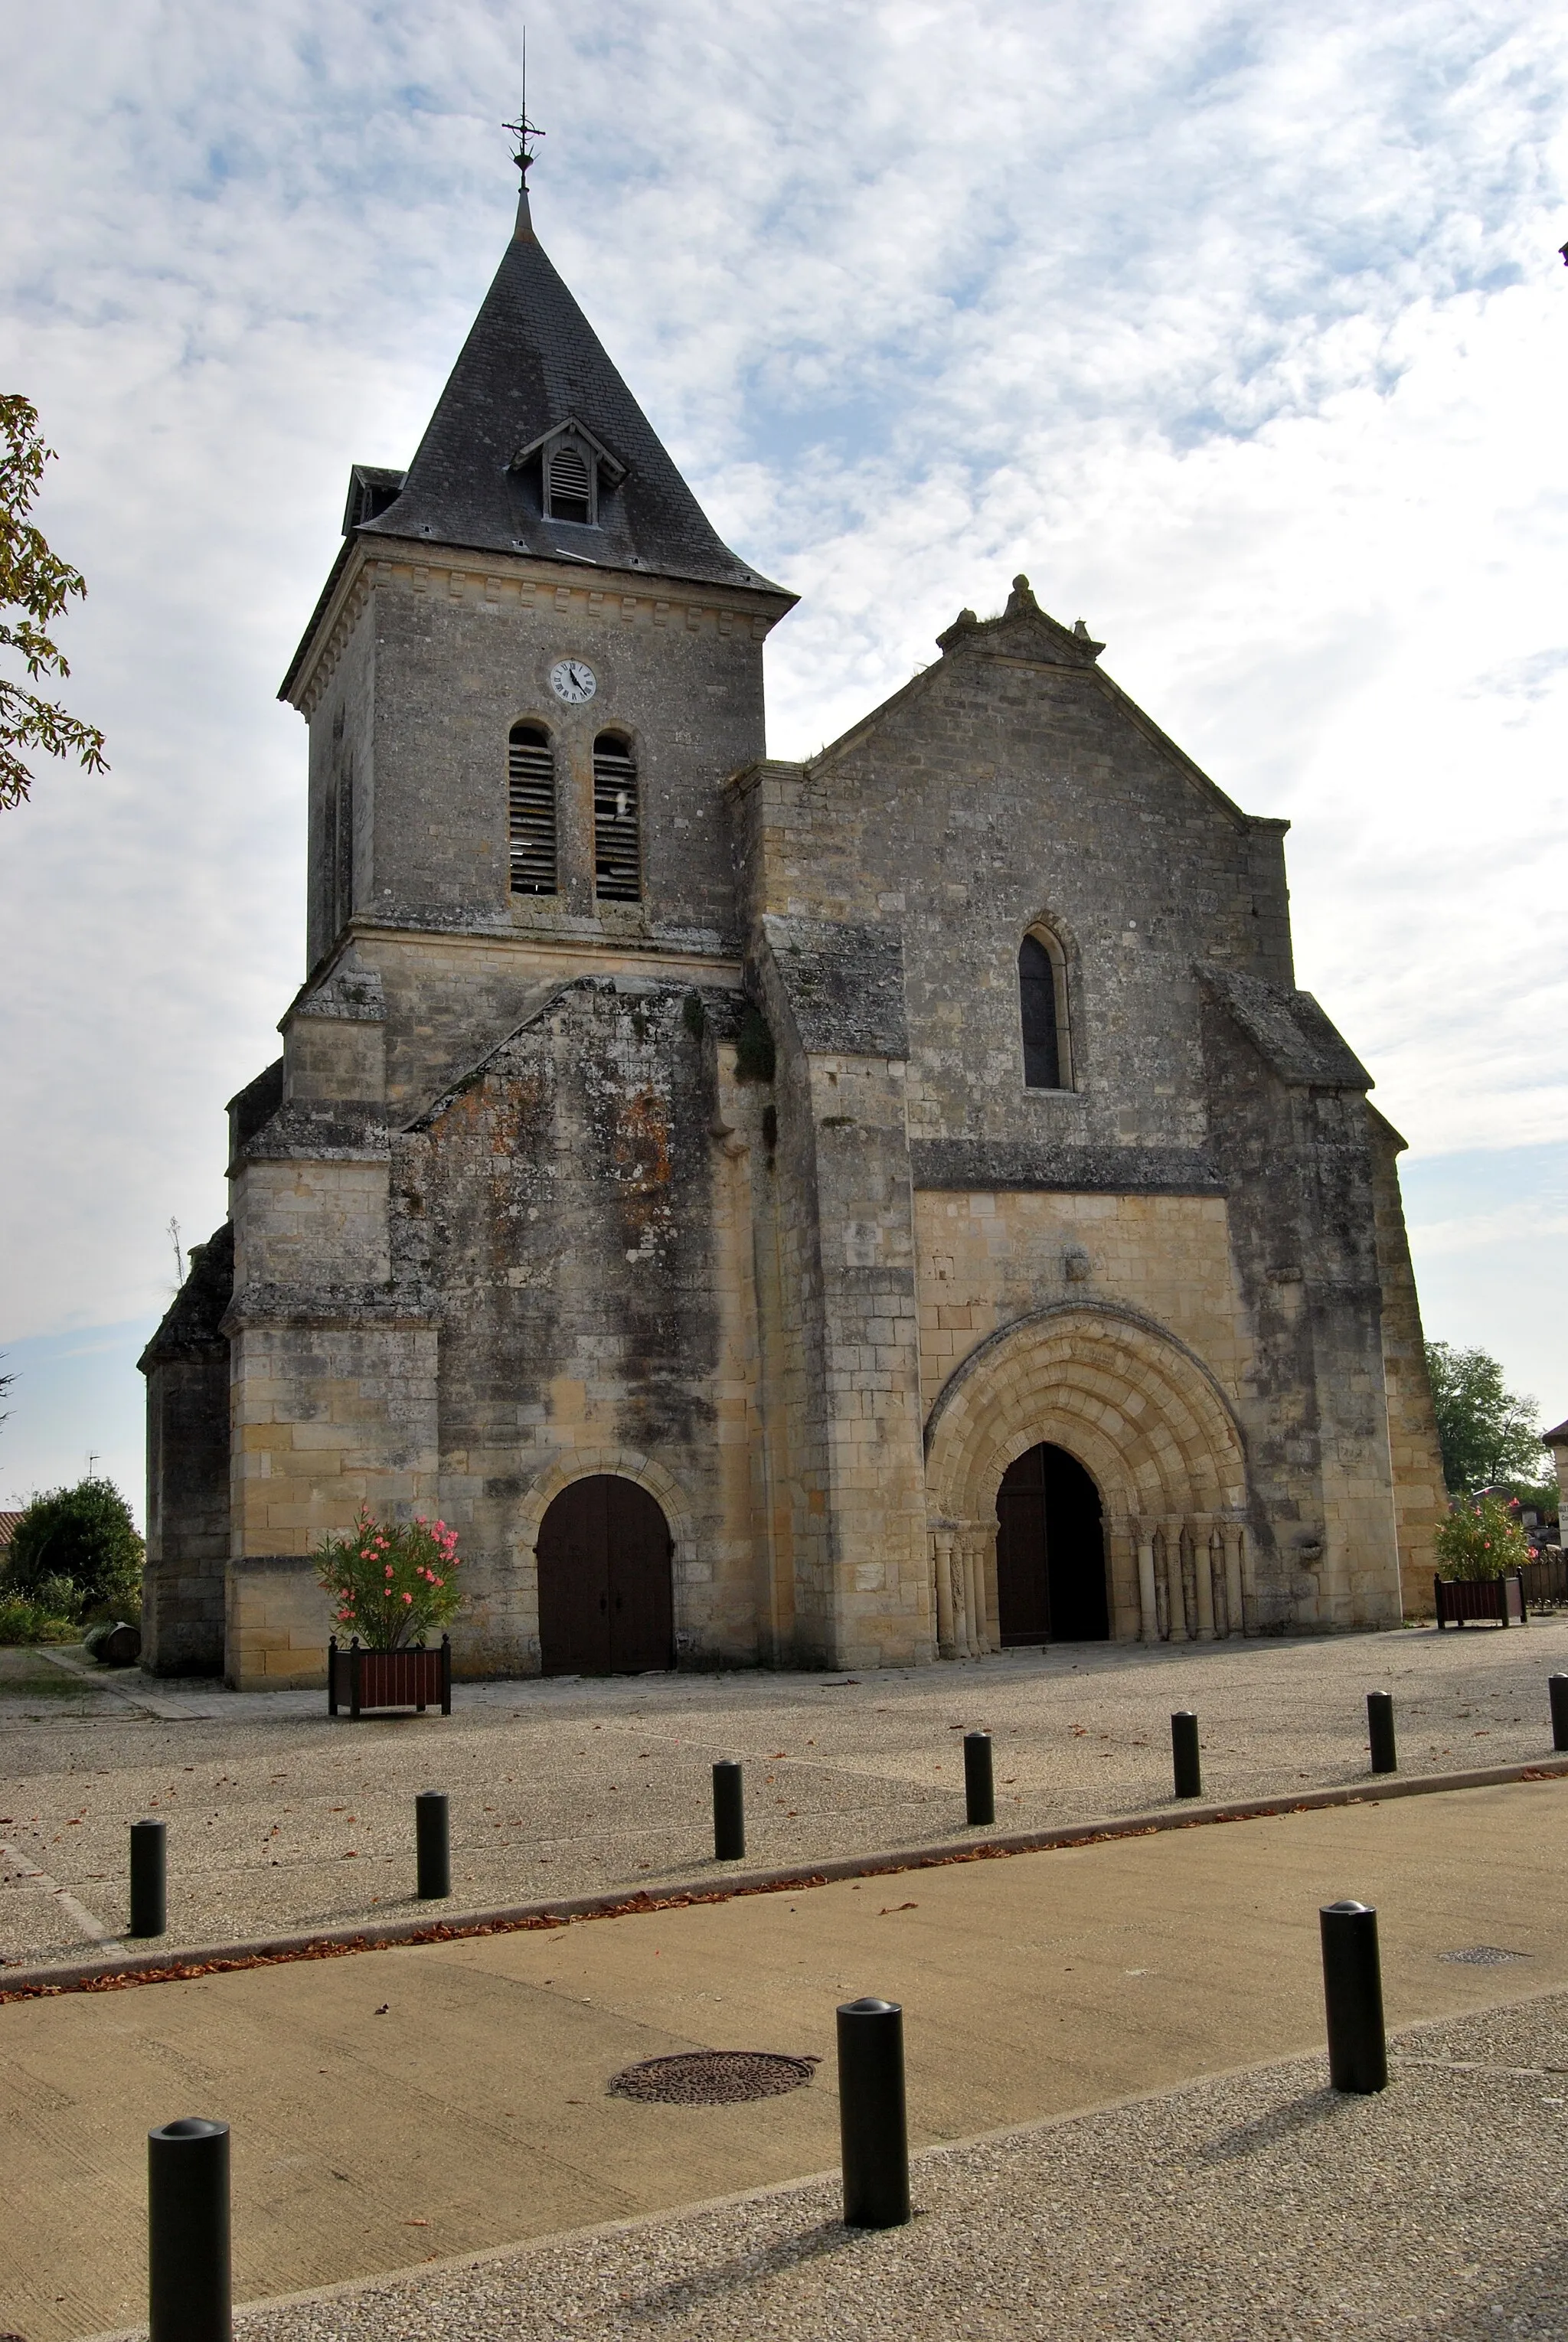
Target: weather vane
(522,130)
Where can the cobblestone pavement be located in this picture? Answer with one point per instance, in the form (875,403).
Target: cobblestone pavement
(1262,2208)
(281,1817)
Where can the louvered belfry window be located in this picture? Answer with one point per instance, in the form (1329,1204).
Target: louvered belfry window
(531,800)
(568,482)
(617,846)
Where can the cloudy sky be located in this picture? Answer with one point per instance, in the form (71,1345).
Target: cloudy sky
(1240,327)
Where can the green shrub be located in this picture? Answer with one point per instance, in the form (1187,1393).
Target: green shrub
(1482,1539)
(22,1621)
(390,1581)
(83,1535)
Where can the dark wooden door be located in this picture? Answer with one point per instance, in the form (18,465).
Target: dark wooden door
(1050,1552)
(605,1600)
(1023,1579)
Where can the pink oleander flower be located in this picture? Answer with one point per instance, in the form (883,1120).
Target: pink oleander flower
(408,1597)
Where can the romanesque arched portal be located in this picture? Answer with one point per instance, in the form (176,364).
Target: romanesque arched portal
(1146,1419)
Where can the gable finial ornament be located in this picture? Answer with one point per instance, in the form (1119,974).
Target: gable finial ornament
(1021,599)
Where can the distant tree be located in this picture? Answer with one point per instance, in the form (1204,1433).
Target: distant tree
(34,587)
(85,1534)
(1488,1434)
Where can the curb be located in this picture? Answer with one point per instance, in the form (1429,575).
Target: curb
(382,1934)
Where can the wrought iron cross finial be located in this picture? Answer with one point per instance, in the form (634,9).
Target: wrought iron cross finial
(522,130)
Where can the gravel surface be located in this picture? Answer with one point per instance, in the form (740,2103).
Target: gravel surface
(280,1817)
(1257,2208)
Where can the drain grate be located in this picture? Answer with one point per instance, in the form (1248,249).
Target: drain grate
(1482,1955)
(713,2078)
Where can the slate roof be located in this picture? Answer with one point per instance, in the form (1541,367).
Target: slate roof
(531,363)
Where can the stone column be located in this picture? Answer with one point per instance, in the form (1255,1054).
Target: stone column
(1203,1576)
(973,1597)
(1175,1593)
(1148,1600)
(942,1549)
(1221,1589)
(1238,1580)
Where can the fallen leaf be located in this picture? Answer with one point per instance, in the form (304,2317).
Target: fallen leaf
(895,1908)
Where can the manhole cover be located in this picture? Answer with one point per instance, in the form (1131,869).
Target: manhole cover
(1482,1955)
(713,2078)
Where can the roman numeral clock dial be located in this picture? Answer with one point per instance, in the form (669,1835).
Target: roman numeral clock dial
(573,681)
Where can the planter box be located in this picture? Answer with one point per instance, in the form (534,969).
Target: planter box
(361,1680)
(1498,1599)
(1545,1582)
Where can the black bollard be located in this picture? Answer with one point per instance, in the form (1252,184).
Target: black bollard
(871,2123)
(188,2284)
(1352,1995)
(1188,1771)
(729,1811)
(979,1788)
(1557,1693)
(1380,1729)
(433,1844)
(149,1879)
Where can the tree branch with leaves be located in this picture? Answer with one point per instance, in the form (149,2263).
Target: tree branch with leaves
(34,586)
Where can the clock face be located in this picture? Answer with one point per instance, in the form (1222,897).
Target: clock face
(573,681)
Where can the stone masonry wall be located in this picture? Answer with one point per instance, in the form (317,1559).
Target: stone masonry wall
(186,1365)
(569,1207)
(1420,1496)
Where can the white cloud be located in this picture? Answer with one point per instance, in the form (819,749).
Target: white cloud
(1239,327)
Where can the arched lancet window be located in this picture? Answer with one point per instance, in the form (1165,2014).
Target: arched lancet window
(617,843)
(531,809)
(1042,1009)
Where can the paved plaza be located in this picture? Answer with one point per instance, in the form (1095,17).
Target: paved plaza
(400,2106)
(281,1819)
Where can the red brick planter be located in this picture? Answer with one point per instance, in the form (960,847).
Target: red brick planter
(1498,1599)
(364,1680)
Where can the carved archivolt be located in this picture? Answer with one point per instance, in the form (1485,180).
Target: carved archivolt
(1139,1411)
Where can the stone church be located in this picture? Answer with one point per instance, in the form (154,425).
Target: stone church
(858,1212)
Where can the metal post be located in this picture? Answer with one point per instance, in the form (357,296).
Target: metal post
(332,1674)
(729,1811)
(979,1786)
(432,1842)
(1188,1771)
(149,1879)
(446,1675)
(1352,1995)
(1557,1693)
(188,2282)
(1380,1730)
(872,2126)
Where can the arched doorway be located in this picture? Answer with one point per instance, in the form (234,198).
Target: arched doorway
(605,1600)
(1050,1552)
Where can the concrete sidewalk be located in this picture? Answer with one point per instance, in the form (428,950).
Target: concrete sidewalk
(400,2104)
(1257,2209)
(280,1819)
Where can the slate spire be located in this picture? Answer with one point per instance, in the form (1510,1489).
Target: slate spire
(531,364)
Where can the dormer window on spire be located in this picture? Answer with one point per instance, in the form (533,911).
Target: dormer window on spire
(574,469)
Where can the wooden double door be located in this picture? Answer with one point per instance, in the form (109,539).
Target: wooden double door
(606,1604)
(1050,1552)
